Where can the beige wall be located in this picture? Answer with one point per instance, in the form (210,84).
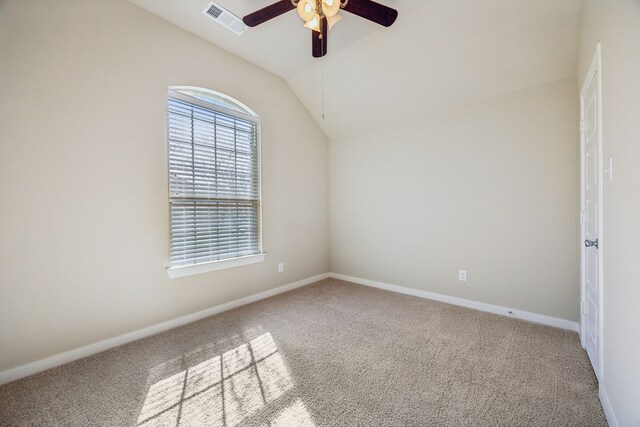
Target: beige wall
(490,187)
(616,23)
(83,176)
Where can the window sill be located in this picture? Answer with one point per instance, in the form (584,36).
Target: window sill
(189,270)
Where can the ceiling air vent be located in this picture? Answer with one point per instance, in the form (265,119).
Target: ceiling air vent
(225,18)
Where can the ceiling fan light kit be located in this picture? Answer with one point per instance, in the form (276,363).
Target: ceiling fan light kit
(313,11)
(321,15)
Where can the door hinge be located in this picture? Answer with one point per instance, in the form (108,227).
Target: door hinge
(581,126)
(583,217)
(581,307)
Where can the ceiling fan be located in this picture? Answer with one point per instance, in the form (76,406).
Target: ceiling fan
(321,15)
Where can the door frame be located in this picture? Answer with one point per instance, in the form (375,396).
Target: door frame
(596,67)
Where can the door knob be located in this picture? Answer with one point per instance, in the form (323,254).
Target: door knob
(590,243)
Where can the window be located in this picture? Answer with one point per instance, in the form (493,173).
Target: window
(214,182)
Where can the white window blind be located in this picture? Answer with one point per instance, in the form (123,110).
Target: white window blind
(214,181)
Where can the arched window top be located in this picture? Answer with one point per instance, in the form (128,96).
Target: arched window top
(213,98)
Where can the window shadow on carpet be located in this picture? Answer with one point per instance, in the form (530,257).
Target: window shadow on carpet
(249,382)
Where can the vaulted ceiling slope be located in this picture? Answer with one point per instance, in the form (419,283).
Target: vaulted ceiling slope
(438,54)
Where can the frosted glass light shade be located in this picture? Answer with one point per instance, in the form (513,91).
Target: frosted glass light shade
(330,7)
(313,23)
(306,9)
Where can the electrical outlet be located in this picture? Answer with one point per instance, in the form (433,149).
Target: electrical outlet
(280,267)
(462,275)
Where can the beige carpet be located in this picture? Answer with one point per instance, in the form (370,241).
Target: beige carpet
(329,354)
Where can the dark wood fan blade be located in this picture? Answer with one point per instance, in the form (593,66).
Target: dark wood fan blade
(319,40)
(376,12)
(267,13)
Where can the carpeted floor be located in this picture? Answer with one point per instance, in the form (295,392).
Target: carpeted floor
(329,354)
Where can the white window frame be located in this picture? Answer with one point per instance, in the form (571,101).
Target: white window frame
(181,93)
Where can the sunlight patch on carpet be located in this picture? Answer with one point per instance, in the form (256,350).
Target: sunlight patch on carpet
(226,390)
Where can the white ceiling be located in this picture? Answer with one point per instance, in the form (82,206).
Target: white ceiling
(438,54)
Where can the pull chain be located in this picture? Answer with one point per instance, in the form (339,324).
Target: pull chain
(322,84)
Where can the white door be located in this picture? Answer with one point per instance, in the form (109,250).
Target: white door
(591,211)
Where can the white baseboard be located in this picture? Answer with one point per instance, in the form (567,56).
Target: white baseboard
(496,309)
(78,353)
(606,406)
